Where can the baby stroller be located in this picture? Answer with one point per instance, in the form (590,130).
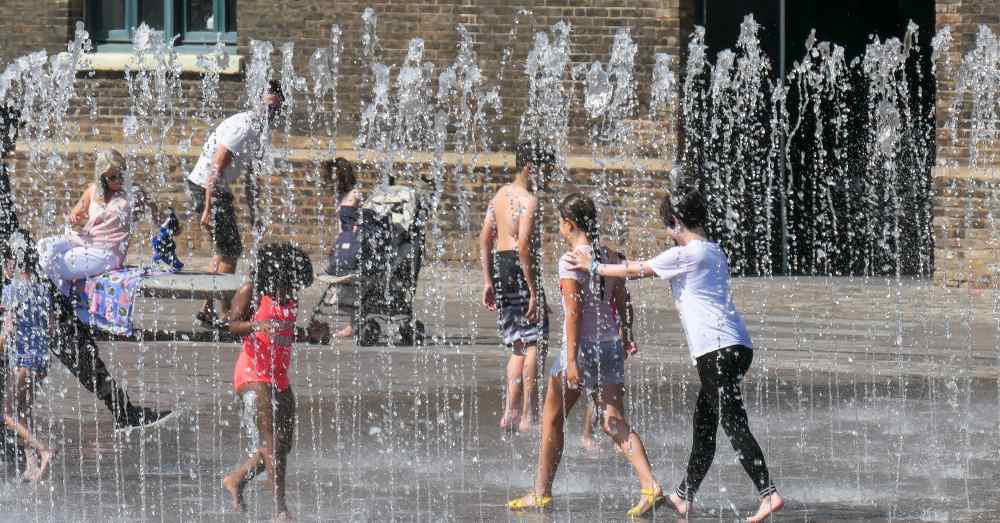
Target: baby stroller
(388,261)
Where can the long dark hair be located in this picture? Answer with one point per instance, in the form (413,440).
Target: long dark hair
(581,210)
(687,205)
(341,172)
(281,270)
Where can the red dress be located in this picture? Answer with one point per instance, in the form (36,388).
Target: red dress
(263,359)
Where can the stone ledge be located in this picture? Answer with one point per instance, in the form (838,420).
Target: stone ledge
(495,160)
(966,173)
(106,61)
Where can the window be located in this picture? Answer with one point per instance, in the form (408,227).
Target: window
(196,22)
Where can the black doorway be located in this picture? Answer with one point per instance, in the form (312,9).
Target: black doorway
(863,243)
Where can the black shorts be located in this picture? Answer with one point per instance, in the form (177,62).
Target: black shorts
(512,297)
(225,233)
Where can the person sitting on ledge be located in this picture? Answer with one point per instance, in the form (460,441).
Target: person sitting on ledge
(106,211)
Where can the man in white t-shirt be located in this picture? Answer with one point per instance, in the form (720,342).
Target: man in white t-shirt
(228,152)
(717,339)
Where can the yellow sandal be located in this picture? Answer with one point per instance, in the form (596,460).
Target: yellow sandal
(537,502)
(652,499)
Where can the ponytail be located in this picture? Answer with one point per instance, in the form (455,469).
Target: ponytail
(581,210)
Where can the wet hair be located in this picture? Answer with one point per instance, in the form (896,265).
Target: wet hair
(274,87)
(532,153)
(281,270)
(581,210)
(341,172)
(20,248)
(104,161)
(686,205)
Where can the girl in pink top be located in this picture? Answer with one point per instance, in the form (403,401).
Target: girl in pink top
(106,211)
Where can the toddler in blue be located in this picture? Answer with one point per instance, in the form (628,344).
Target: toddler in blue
(25,334)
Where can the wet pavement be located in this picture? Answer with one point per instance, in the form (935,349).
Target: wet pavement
(874,400)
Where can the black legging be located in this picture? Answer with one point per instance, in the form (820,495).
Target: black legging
(75,347)
(721,372)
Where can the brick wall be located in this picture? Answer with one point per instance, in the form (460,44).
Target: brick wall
(966,192)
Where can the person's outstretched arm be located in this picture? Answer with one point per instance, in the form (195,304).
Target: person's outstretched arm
(631,270)
(487,236)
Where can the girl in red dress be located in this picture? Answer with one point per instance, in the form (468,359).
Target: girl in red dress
(263,311)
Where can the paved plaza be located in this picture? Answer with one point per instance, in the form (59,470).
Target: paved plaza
(874,400)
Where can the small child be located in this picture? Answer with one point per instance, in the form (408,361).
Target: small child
(28,326)
(263,311)
(591,364)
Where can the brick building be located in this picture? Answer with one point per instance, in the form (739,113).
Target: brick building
(963,227)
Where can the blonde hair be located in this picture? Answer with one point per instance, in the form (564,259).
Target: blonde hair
(104,162)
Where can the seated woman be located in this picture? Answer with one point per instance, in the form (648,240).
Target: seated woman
(106,211)
(340,173)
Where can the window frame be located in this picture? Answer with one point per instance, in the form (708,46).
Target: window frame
(174,25)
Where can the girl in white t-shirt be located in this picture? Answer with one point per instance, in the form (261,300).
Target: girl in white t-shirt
(592,361)
(717,339)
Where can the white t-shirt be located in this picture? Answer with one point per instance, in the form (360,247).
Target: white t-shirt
(598,322)
(239,134)
(699,279)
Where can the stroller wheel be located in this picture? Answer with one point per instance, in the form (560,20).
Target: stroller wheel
(419,332)
(411,333)
(369,334)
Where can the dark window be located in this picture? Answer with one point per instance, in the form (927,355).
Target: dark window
(193,22)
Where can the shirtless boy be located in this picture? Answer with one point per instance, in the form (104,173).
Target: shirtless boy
(511,282)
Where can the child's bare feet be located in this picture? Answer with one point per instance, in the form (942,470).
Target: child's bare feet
(45,457)
(510,420)
(284,517)
(346,332)
(768,505)
(679,505)
(526,425)
(234,486)
(31,467)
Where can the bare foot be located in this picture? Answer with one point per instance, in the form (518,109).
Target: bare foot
(235,489)
(768,506)
(284,517)
(31,467)
(526,425)
(43,467)
(346,332)
(679,505)
(510,420)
